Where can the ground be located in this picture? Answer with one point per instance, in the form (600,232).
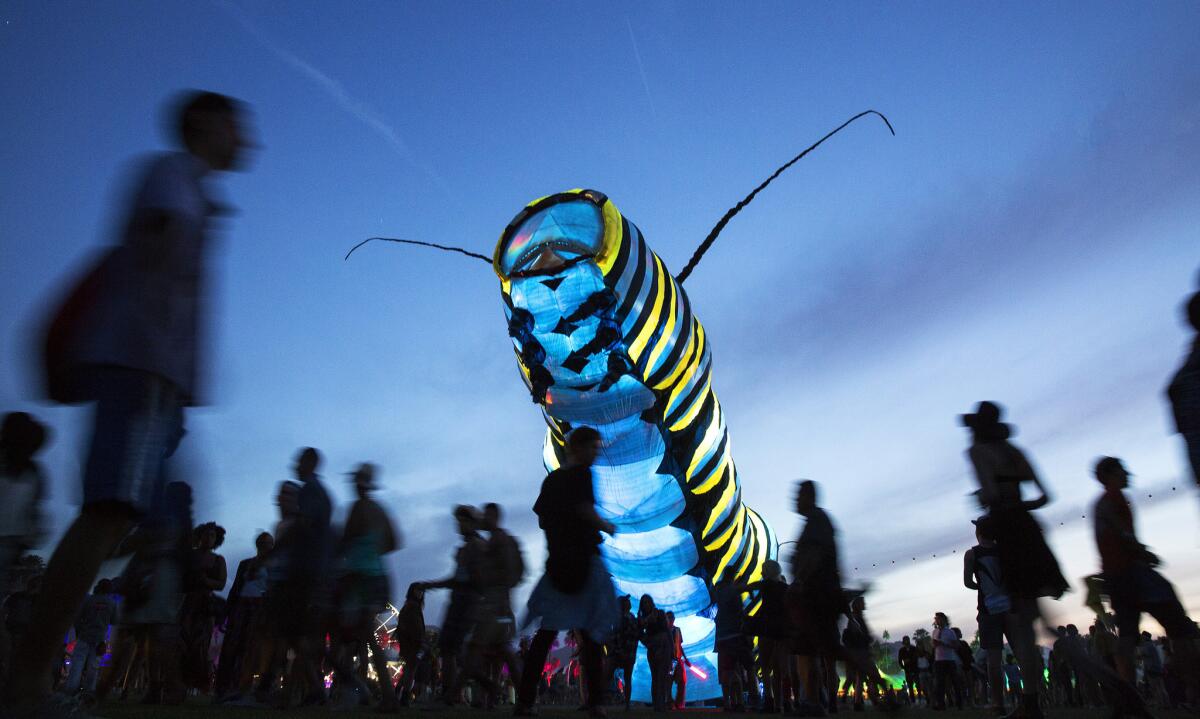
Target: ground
(118,710)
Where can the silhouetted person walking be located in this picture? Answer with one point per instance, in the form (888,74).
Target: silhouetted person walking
(208,574)
(367,537)
(1029,568)
(409,634)
(622,647)
(656,637)
(495,628)
(1134,586)
(243,620)
(129,339)
(91,629)
(466,590)
(576,591)
(310,557)
(1184,393)
(681,663)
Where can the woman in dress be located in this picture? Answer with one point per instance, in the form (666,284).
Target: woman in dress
(1028,567)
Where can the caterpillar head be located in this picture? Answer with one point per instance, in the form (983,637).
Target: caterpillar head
(563,316)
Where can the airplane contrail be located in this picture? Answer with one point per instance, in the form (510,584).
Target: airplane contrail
(367,114)
(637,55)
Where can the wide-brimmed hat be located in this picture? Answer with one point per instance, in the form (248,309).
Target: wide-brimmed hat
(986,414)
(364,474)
(466,511)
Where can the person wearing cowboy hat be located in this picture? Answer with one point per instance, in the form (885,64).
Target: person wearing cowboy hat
(1029,567)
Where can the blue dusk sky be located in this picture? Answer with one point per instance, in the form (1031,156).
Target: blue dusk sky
(1027,236)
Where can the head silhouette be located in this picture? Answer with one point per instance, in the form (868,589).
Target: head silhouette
(491,516)
(21,436)
(264,543)
(467,519)
(583,446)
(307,462)
(1111,472)
(1192,310)
(806,497)
(212,127)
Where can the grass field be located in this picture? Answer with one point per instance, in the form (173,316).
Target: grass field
(119,710)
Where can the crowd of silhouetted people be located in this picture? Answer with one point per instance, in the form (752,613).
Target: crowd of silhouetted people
(309,619)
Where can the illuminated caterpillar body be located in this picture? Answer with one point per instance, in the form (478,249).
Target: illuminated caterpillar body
(606,337)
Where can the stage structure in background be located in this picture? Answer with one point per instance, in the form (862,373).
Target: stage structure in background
(605,337)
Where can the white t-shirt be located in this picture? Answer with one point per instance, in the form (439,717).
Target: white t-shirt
(942,652)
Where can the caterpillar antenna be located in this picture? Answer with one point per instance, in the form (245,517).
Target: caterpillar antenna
(712,236)
(447,248)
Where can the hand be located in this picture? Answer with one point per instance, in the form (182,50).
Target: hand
(608,528)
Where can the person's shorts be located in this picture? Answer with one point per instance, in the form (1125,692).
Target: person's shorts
(492,632)
(819,635)
(137,425)
(773,652)
(991,630)
(733,655)
(1141,589)
(456,624)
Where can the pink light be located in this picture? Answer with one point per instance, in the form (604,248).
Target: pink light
(697,671)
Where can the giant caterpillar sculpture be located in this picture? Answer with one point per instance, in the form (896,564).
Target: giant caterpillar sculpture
(605,337)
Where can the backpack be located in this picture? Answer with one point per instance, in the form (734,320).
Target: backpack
(59,344)
(512,561)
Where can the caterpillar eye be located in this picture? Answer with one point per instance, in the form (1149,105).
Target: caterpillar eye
(552,238)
